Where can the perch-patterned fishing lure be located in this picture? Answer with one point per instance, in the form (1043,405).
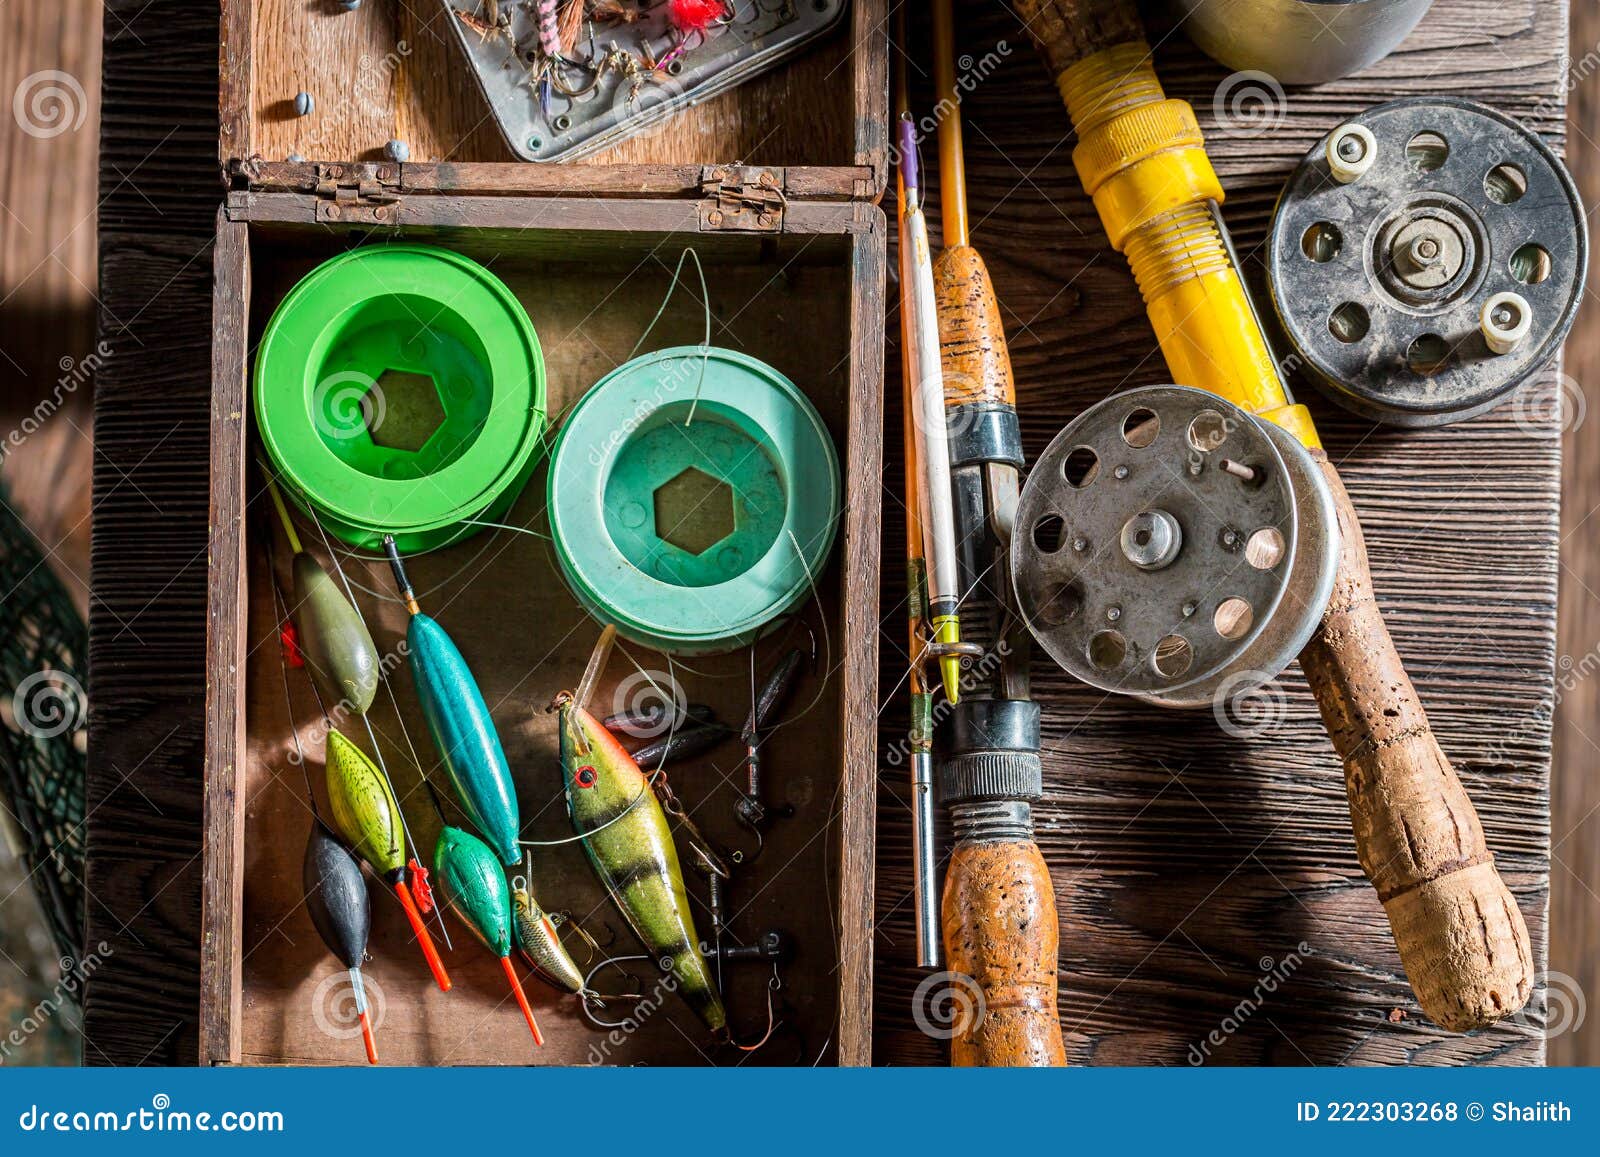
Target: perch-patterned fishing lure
(630,847)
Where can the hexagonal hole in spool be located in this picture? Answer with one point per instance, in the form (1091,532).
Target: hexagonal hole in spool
(403,410)
(694,511)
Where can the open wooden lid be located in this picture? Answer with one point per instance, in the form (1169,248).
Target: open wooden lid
(816,126)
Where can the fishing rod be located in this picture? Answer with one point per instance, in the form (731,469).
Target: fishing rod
(924,865)
(1142,159)
(920,322)
(999,910)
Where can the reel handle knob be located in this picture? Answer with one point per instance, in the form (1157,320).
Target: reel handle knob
(1461,936)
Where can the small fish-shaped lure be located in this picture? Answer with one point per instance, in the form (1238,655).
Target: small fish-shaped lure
(367,815)
(332,635)
(461,726)
(630,848)
(336,897)
(541,945)
(473,886)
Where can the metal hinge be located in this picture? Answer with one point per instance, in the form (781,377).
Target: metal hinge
(741,199)
(358,193)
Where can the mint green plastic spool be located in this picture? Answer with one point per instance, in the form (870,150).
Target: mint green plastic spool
(692,535)
(400,389)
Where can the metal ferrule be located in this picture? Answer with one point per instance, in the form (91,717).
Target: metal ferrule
(989,750)
(924,868)
(985,432)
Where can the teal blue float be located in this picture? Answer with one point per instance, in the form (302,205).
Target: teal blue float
(464,732)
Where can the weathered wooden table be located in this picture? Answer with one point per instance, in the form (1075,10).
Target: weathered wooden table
(1190,865)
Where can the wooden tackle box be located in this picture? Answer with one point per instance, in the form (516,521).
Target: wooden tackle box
(796,279)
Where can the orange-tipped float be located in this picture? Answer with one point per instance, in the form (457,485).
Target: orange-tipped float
(429,952)
(522,1000)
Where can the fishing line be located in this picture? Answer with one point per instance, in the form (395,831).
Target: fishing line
(705,340)
(281,613)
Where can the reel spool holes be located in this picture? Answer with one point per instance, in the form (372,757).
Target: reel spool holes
(1426,260)
(1169,543)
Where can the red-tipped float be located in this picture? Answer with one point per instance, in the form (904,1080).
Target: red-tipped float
(429,952)
(516,988)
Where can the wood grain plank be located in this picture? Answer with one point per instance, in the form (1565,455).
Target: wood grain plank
(146,624)
(1575,789)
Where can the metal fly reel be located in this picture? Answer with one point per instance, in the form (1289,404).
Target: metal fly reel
(1170,546)
(1426,258)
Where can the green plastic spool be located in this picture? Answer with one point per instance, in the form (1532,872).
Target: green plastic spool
(400,389)
(683,531)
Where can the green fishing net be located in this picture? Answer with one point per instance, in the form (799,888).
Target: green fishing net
(44,709)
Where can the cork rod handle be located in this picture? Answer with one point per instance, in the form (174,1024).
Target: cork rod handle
(972,337)
(1461,936)
(999,917)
